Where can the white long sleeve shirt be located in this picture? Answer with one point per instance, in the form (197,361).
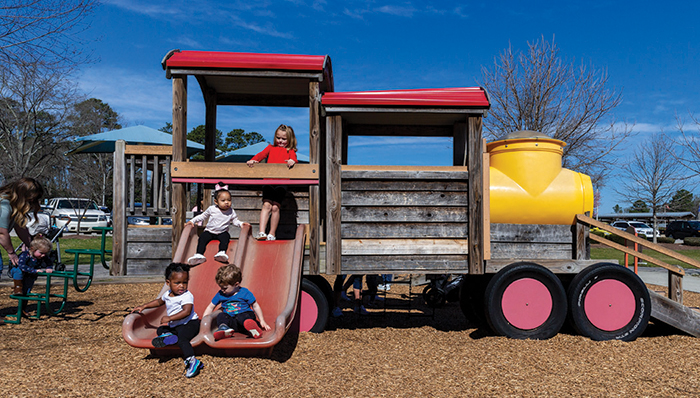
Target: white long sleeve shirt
(218,220)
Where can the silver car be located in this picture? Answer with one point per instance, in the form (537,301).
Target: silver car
(84,214)
(638,226)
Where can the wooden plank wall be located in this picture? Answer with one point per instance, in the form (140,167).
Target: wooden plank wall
(148,250)
(533,241)
(404,220)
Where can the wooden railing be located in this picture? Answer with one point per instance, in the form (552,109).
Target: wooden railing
(675,273)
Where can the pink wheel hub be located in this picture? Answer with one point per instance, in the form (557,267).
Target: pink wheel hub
(609,304)
(308,313)
(526,303)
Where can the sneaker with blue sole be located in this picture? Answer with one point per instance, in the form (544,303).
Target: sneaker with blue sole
(164,339)
(192,367)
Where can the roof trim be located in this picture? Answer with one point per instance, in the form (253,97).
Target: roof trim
(461,97)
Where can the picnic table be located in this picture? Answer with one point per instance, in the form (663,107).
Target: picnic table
(73,275)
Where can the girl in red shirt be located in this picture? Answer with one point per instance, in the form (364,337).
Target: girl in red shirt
(284,150)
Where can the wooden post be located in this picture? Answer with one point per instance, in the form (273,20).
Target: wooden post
(179,154)
(333,198)
(459,149)
(580,249)
(675,287)
(314,190)
(476,195)
(209,137)
(119,211)
(486,162)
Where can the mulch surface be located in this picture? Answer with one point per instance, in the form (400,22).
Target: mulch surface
(81,353)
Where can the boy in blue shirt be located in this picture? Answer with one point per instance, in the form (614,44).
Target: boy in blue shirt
(238,306)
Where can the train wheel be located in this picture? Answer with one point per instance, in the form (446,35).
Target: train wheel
(432,297)
(525,301)
(313,308)
(471,297)
(325,287)
(609,302)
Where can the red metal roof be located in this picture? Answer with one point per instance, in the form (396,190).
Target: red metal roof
(439,97)
(225,60)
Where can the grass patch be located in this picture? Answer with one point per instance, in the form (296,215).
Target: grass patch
(600,253)
(73,242)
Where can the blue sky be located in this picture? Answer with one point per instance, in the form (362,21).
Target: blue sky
(651,51)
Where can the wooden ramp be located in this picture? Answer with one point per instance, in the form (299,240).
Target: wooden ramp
(683,318)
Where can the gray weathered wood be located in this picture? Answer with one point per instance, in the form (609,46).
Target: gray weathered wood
(475,195)
(179,153)
(149,234)
(314,236)
(403,246)
(675,314)
(404,185)
(501,250)
(404,214)
(333,193)
(403,230)
(403,130)
(410,174)
(563,266)
(118,266)
(413,264)
(403,198)
(148,266)
(154,250)
(675,287)
(535,233)
(459,147)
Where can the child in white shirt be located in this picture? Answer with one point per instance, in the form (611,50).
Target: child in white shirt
(220,216)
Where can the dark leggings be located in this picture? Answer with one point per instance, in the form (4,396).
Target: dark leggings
(184,334)
(207,237)
(236,321)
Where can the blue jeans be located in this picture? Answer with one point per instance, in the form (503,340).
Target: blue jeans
(16,273)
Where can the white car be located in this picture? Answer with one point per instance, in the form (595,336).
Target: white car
(84,214)
(639,227)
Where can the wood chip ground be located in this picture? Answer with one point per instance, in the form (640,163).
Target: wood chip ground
(81,354)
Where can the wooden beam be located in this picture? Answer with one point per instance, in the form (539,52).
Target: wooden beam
(404,246)
(160,150)
(405,172)
(675,287)
(486,161)
(556,266)
(263,100)
(475,195)
(314,191)
(672,268)
(179,154)
(333,193)
(118,266)
(222,170)
(649,245)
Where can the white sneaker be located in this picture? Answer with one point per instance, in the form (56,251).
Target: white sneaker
(196,259)
(261,236)
(271,237)
(221,257)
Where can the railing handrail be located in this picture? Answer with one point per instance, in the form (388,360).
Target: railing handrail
(645,243)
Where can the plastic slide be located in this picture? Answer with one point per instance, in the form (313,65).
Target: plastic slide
(271,270)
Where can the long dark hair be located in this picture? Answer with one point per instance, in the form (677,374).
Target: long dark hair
(24,195)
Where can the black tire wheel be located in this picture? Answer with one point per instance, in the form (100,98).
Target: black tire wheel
(432,297)
(525,301)
(471,297)
(314,308)
(609,302)
(325,287)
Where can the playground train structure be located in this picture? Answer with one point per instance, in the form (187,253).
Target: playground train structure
(505,216)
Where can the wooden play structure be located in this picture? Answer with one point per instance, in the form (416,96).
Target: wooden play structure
(505,215)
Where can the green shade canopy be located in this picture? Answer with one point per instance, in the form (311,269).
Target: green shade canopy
(137,135)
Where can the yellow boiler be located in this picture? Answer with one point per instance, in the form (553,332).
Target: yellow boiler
(529,185)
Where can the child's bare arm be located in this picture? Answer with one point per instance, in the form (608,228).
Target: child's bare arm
(251,162)
(151,304)
(258,312)
(184,313)
(210,308)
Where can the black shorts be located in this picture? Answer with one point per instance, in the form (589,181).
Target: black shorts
(274,193)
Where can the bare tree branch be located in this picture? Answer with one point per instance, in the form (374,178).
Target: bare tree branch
(652,174)
(538,90)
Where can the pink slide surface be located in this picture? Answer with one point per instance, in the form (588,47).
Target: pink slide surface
(271,270)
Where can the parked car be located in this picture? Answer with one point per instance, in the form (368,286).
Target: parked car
(638,226)
(682,229)
(84,214)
